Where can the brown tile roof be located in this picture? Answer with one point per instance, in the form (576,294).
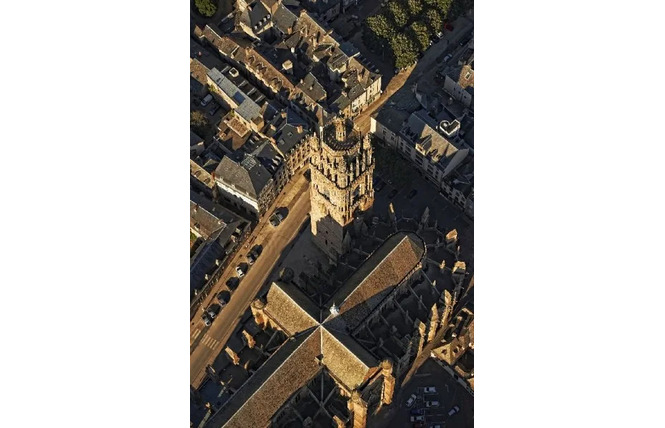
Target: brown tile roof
(285,372)
(346,360)
(374,280)
(198,71)
(294,311)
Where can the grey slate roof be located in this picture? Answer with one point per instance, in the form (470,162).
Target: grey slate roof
(311,86)
(284,19)
(249,175)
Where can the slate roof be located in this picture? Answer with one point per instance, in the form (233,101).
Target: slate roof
(374,280)
(289,137)
(284,19)
(311,86)
(248,175)
(422,131)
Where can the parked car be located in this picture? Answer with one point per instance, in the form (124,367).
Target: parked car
(435,426)
(447,57)
(274,220)
(240,271)
(213,310)
(417,411)
(206,100)
(418,418)
(251,259)
(411,194)
(232,283)
(206,319)
(454,410)
(431,404)
(213,110)
(449,27)
(429,390)
(439,35)
(222,297)
(411,400)
(392,193)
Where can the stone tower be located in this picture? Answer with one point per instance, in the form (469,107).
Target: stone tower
(342,171)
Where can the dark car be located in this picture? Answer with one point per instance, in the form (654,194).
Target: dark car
(392,193)
(411,194)
(274,220)
(449,27)
(223,298)
(213,311)
(417,411)
(378,186)
(213,110)
(251,258)
(206,319)
(232,283)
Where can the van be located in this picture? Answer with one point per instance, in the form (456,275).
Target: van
(206,100)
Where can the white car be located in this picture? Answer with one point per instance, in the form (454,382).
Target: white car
(240,272)
(431,404)
(418,418)
(429,390)
(411,400)
(454,410)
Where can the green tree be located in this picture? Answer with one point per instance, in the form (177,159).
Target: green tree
(415,7)
(206,7)
(381,26)
(198,122)
(442,6)
(459,7)
(398,13)
(434,20)
(420,35)
(404,50)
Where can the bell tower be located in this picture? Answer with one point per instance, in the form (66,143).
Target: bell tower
(342,168)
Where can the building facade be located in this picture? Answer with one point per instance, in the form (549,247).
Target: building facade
(342,167)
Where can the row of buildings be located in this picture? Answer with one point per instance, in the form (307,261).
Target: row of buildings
(279,76)
(438,136)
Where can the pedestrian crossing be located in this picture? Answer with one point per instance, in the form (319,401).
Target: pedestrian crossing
(205,341)
(209,342)
(193,336)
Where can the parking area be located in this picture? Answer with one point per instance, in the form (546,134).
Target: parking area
(435,388)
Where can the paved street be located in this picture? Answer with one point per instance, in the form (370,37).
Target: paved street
(208,341)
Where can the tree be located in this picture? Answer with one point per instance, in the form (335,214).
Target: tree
(442,6)
(198,122)
(381,26)
(415,7)
(398,13)
(420,35)
(460,7)
(434,20)
(404,50)
(205,7)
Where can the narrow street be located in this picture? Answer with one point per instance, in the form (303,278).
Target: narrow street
(209,341)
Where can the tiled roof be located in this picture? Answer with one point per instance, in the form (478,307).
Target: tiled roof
(346,360)
(286,371)
(291,308)
(374,279)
